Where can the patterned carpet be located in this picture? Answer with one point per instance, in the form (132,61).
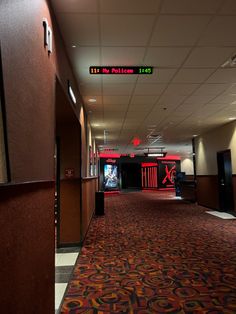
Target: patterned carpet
(149,254)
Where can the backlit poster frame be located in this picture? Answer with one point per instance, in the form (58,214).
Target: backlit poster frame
(111,177)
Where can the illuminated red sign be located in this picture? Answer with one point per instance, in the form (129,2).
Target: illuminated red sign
(111,161)
(120,70)
(170,175)
(104,155)
(136,141)
(149,164)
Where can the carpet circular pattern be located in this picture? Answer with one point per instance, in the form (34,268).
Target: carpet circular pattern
(152,253)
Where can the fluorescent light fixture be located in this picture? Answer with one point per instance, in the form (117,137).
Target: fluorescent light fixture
(92,100)
(71,93)
(232,118)
(161,154)
(194,135)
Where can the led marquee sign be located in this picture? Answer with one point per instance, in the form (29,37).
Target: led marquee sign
(120,70)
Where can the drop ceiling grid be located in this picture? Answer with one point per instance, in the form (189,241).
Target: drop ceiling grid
(188,63)
(125,120)
(196,43)
(164,119)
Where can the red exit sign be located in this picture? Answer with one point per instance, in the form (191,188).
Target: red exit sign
(120,70)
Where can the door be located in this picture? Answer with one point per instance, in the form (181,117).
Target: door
(131,176)
(226,200)
(57,190)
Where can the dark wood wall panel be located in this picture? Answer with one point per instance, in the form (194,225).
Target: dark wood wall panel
(234,190)
(207,191)
(27,248)
(89,187)
(70,231)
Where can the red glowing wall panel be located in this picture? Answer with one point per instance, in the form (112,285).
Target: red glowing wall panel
(149,175)
(104,155)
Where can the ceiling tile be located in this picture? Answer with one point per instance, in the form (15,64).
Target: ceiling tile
(131,6)
(166,57)
(198,100)
(180,30)
(192,75)
(170,100)
(79,29)
(140,108)
(210,89)
(116,100)
(211,106)
(219,32)
(117,89)
(232,89)
(143,100)
(115,108)
(125,30)
(149,89)
(90,89)
(82,6)
(229,7)
(135,113)
(84,57)
(119,78)
(84,77)
(190,6)
(223,76)
(185,109)
(117,116)
(158,76)
(225,98)
(209,56)
(124,56)
(180,89)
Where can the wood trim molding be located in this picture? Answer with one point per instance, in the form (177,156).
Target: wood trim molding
(39,182)
(88,178)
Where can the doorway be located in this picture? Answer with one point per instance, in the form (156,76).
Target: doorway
(131,176)
(67,172)
(226,200)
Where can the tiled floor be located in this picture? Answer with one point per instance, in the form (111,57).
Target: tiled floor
(64,261)
(221,215)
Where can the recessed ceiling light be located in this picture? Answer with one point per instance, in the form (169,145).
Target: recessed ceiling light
(194,135)
(73,46)
(92,100)
(232,118)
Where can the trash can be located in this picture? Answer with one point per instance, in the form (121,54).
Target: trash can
(99,203)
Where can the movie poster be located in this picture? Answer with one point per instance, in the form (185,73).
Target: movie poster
(167,173)
(110,177)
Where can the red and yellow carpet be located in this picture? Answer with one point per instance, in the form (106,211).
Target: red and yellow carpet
(149,254)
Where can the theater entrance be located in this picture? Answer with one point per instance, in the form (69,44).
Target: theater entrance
(131,176)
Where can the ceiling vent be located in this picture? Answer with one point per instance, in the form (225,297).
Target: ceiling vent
(153,138)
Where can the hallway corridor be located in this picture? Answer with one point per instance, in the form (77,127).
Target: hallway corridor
(155,254)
